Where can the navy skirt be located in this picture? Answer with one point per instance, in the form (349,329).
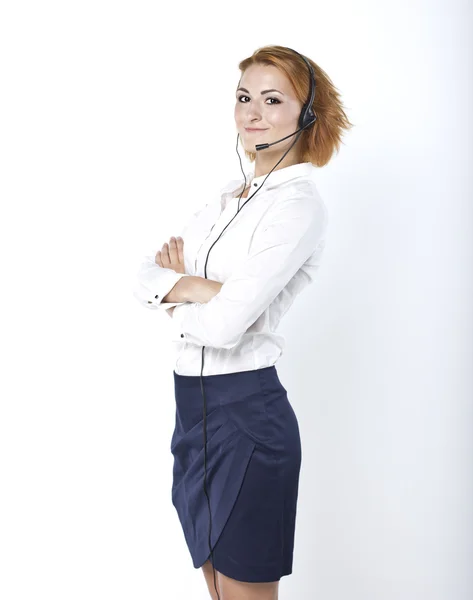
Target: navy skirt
(253,465)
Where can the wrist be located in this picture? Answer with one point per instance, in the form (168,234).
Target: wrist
(179,292)
(200,289)
(187,286)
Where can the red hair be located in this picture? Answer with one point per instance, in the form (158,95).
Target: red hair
(321,139)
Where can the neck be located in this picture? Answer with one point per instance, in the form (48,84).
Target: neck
(266,159)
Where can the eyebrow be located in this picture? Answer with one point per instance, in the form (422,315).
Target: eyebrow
(263,92)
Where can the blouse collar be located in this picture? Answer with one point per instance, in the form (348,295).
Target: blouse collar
(304,169)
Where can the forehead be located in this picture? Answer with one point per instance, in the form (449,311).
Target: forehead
(261,77)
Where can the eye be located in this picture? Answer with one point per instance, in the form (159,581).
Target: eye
(269,98)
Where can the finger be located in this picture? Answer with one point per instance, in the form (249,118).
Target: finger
(165,255)
(173,254)
(180,249)
(157,259)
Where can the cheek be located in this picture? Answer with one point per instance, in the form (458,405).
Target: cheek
(282,116)
(238,113)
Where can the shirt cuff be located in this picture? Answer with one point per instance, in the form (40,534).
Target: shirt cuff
(178,316)
(154,283)
(164,286)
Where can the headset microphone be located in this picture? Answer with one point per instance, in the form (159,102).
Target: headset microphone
(306,118)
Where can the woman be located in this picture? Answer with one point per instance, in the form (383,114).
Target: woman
(239,518)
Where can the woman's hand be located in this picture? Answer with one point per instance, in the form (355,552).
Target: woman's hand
(171,256)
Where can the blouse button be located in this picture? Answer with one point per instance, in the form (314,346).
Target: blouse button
(182,335)
(255,184)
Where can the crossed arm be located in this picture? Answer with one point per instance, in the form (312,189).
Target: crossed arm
(189,288)
(192,289)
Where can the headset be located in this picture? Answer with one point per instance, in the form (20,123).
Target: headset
(306,118)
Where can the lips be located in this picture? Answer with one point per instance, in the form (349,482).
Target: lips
(251,129)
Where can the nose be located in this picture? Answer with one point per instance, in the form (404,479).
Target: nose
(253,113)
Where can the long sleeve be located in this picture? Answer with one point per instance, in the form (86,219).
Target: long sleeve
(154,283)
(283,241)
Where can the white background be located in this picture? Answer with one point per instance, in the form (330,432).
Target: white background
(116,124)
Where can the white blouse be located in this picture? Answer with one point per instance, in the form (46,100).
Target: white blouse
(265,258)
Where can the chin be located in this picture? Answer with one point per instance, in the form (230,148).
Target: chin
(250,148)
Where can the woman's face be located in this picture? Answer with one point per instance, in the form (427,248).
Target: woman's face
(275,112)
